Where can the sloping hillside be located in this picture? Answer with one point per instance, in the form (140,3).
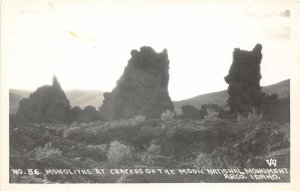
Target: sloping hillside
(15,96)
(220,98)
(79,98)
(281,88)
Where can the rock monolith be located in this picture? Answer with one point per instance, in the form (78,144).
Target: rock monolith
(244,80)
(142,89)
(46,104)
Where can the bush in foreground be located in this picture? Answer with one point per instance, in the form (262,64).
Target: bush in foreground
(137,119)
(167,117)
(211,115)
(147,156)
(253,116)
(118,153)
(45,152)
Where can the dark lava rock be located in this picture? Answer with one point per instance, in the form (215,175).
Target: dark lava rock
(244,79)
(26,137)
(46,104)
(72,149)
(142,89)
(88,114)
(74,113)
(190,112)
(138,134)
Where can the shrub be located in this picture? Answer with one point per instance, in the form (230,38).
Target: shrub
(211,115)
(167,117)
(137,119)
(45,152)
(240,118)
(153,149)
(252,116)
(147,156)
(118,153)
(211,107)
(178,112)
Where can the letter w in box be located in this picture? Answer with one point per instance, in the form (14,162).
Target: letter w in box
(271,162)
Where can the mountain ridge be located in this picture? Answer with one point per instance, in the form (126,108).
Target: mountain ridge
(281,88)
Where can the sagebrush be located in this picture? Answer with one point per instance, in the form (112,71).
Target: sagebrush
(147,156)
(167,116)
(211,115)
(45,152)
(253,116)
(119,153)
(137,119)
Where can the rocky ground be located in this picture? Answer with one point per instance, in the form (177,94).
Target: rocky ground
(142,146)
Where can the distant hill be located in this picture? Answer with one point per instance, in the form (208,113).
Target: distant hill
(79,98)
(220,98)
(281,88)
(84,98)
(15,96)
(95,98)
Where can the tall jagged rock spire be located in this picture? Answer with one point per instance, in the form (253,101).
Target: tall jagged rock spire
(55,82)
(244,79)
(142,89)
(46,104)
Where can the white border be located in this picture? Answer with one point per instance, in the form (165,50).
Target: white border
(295,105)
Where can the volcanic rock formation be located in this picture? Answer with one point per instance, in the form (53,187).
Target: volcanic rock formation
(88,114)
(142,89)
(46,104)
(244,79)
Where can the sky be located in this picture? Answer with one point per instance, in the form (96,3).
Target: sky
(87,44)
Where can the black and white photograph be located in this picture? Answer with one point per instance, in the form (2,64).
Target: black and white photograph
(147,92)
